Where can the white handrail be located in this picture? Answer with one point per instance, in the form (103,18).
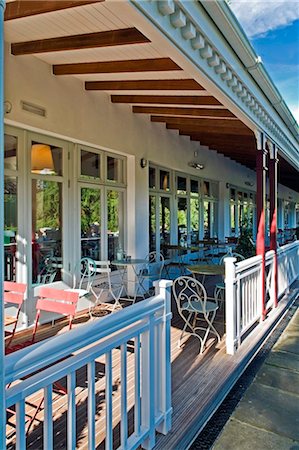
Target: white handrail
(148,324)
(243,284)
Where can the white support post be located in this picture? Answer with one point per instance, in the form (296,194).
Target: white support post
(163,287)
(230,304)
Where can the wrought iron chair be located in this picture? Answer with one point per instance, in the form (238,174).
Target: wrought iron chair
(14,293)
(104,285)
(193,305)
(151,272)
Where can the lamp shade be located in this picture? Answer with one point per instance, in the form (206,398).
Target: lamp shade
(41,158)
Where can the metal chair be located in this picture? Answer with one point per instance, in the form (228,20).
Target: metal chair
(83,277)
(104,284)
(151,271)
(193,305)
(14,293)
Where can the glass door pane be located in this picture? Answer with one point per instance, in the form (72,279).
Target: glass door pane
(164,212)
(115,222)
(91,223)
(182,221)
(194,213)
(152,223)
(10,227)
(46,231)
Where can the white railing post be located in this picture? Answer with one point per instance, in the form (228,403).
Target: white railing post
(230,304)
(163,287)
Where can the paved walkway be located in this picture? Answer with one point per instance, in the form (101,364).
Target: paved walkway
(267,417)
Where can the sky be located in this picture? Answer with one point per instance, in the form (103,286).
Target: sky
(273,29)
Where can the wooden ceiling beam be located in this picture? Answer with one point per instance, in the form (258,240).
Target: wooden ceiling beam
(24,8)
(177,111)
(166,99)
(134,65)
(80,41)
(136,85)
(194,129)
(211,121)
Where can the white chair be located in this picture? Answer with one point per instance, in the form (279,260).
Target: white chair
(104,285)
(220,287)
(151,272)
(193,305)
(83,277)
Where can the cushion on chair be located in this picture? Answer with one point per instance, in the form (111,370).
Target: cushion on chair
(210,306)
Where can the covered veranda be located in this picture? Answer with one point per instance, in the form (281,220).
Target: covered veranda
(147,111)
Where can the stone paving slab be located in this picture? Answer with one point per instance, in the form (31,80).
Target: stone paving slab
(270,409)
(241,436)
(280,378)
(283,359)
(268,415)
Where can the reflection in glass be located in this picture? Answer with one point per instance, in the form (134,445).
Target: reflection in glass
(209,219)
(152,178)
(182,221)
(206,188)
(10,152)
(91,223)
(90,165)
(233,218)
(194,187)
(181,185)
(115,223)
(46,159)
(114,169)
(10,228)
(46,231)
(164,180)
(152,223)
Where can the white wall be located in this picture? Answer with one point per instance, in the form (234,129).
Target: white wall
(77,114)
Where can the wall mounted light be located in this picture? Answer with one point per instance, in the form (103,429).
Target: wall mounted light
(41,159)
(196,165)
(143,163)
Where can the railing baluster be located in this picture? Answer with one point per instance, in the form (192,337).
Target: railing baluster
(48,417)
(71,414)
(91,404)
(108,391)
(137,412)
(20,426)
(124,410)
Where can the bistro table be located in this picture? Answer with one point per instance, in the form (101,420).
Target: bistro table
(122,265)
(207,269)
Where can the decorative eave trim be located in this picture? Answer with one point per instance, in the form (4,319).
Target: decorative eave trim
(178,21)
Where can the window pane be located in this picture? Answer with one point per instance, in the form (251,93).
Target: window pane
(90,165)
(91,223)
(182,221)
(233,194)
(10,228)
(115,223)
(194,211)
(46,159)
(164,180)
(114,169)
(209,220)
(152,223)
(46,231)
(233,218)
(206,188)
(181,185)
(10,152)
(194,187)
(164,208)
(152,178)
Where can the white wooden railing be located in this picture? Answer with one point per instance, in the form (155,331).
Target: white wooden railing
(39,366)
(243,289)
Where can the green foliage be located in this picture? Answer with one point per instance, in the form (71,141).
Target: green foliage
(245,245)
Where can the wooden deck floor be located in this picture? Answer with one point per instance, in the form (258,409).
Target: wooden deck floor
(198,382)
